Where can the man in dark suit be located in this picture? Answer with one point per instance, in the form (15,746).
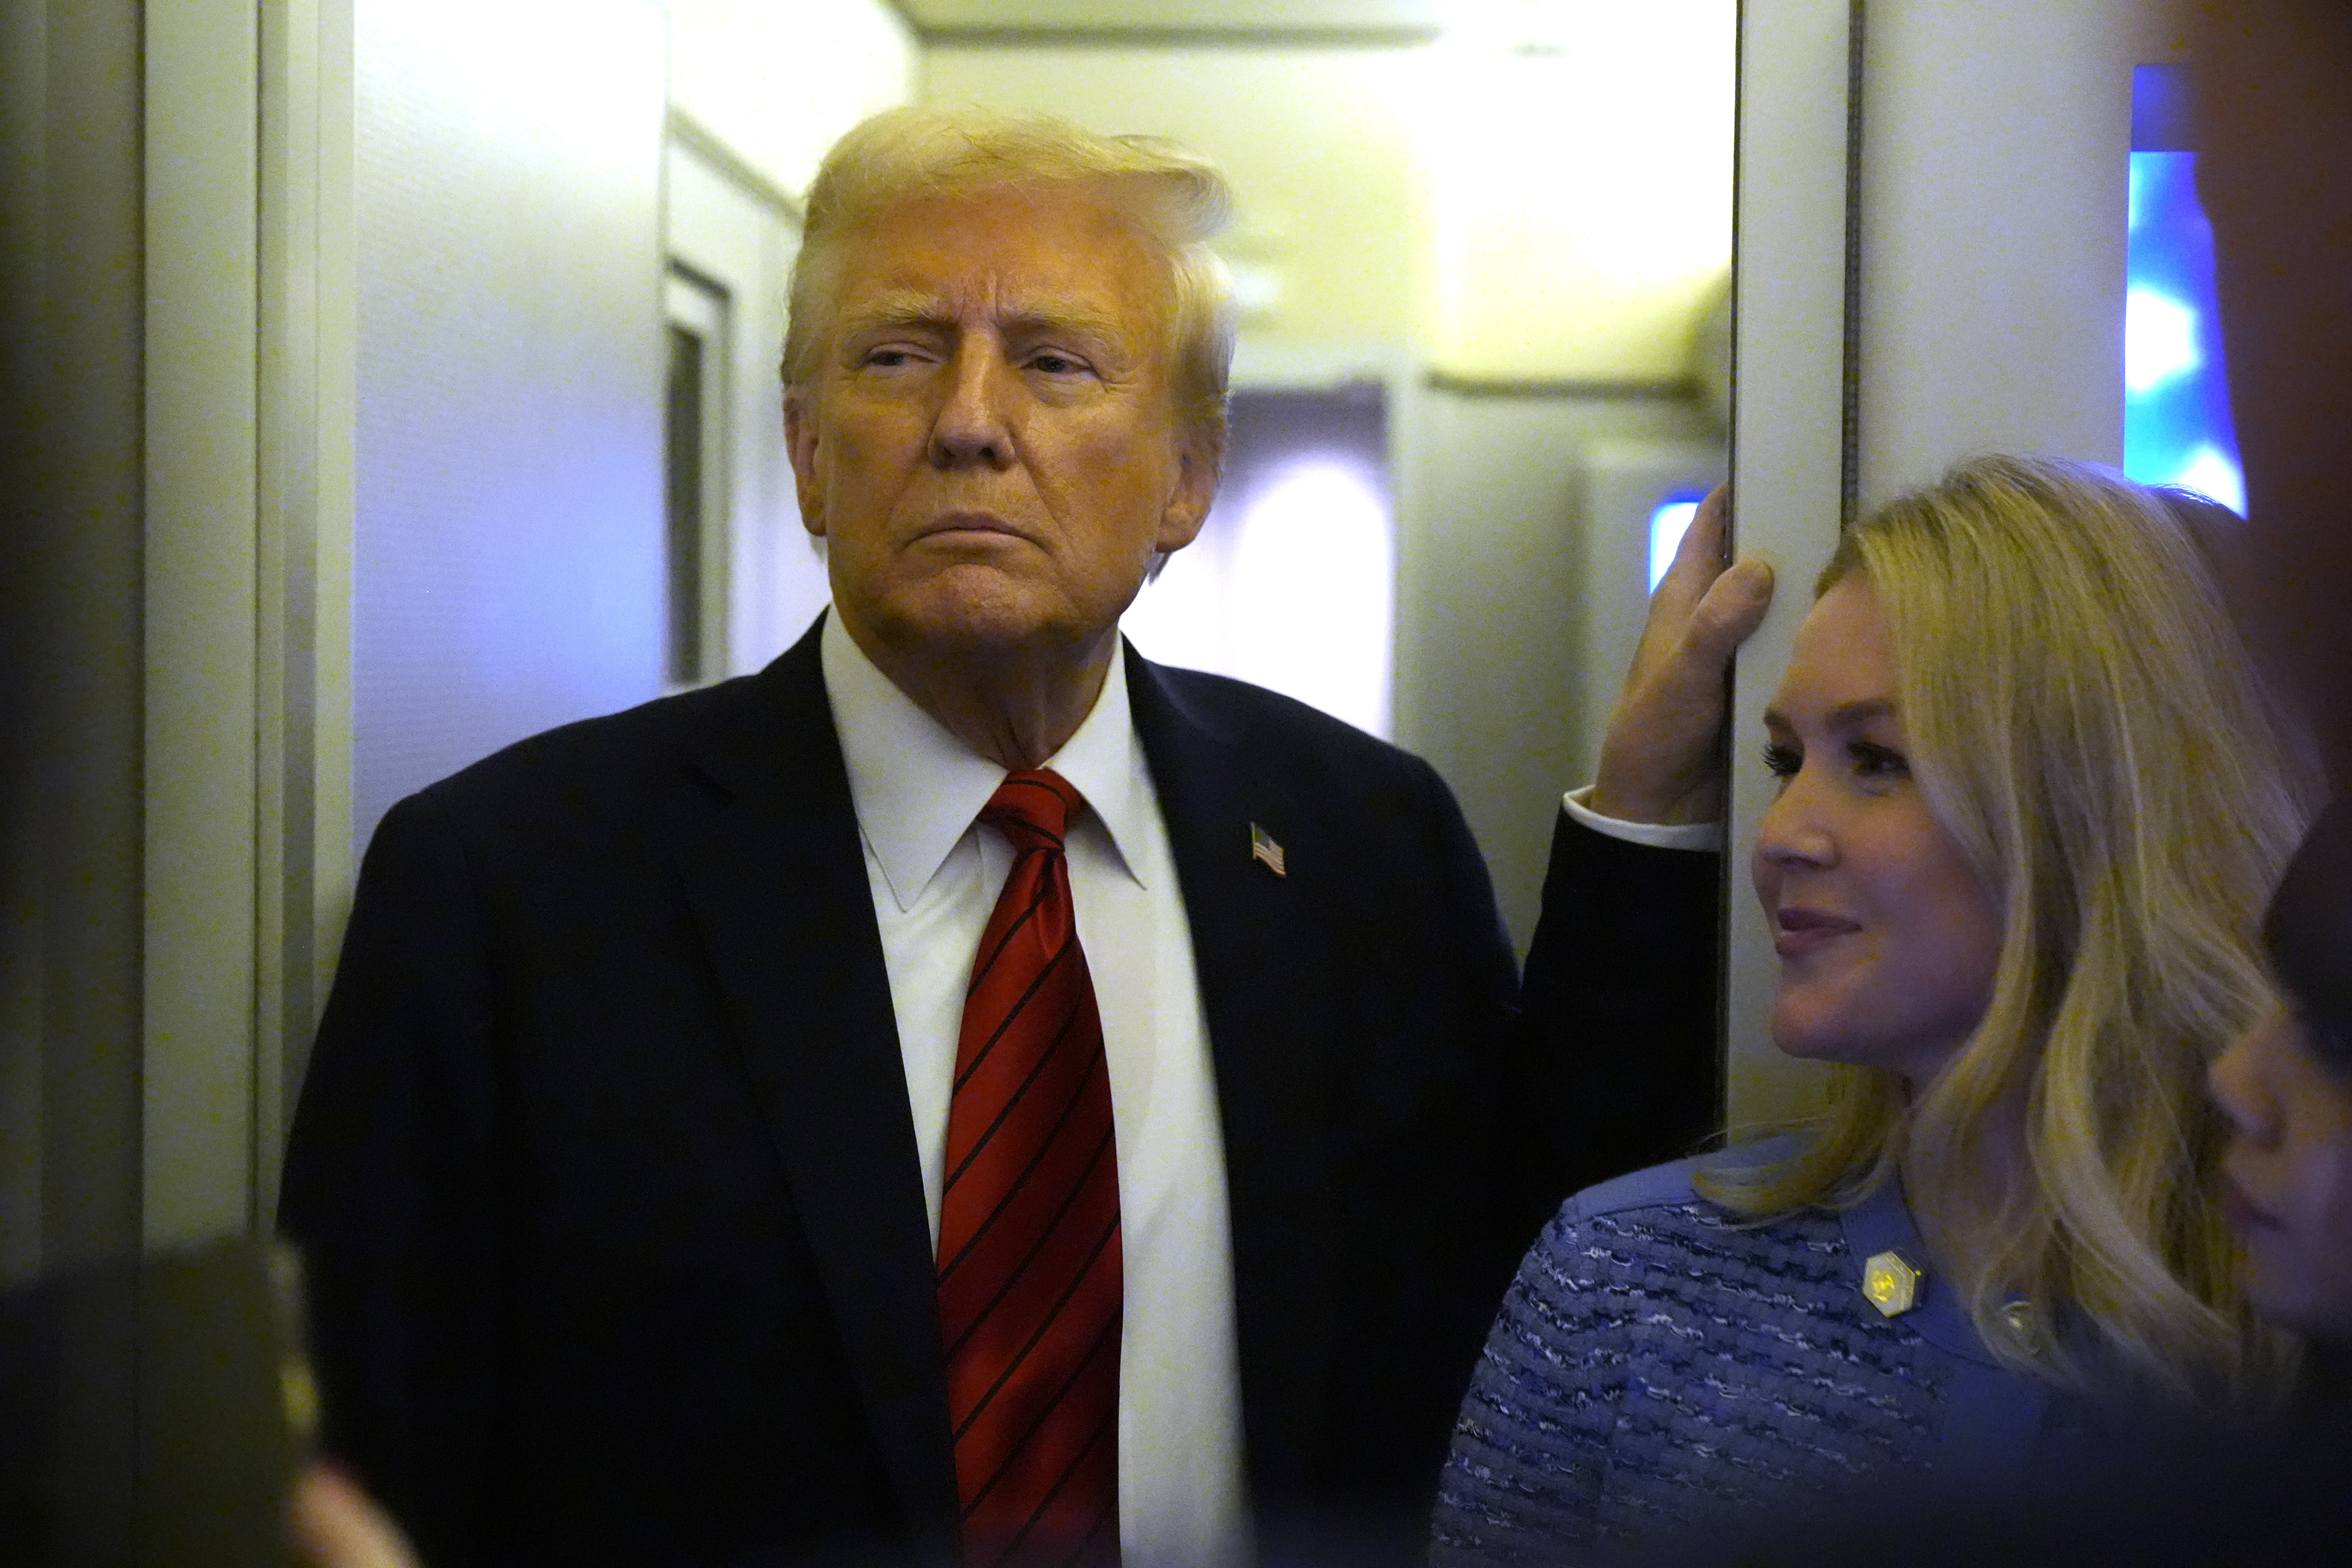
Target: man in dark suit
(636,1160)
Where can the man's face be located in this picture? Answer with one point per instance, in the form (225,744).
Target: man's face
(989,445)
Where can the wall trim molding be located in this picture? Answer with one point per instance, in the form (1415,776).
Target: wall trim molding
(713,148)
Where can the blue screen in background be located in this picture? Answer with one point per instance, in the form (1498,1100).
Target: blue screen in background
(1669,521)
(2177,427)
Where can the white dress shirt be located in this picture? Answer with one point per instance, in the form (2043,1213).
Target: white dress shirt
(935,874)
(1656,835)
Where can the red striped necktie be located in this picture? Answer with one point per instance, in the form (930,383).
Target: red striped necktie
(1029,1264)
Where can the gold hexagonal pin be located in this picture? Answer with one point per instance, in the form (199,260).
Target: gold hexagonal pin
(2024,1324)
(1892,1282)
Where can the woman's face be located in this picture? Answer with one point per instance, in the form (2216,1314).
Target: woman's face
(1887,941)
(2286,1180)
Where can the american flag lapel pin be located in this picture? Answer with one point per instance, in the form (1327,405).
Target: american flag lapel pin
(1266,851)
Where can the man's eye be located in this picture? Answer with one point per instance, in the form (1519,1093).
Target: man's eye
(1782,762)
(1871,760)
(887,358)
(1054,364)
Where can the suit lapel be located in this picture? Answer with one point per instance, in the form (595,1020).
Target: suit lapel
(779,891)
(1259,954)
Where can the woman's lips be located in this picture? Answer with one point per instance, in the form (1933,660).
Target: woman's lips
(1801,930)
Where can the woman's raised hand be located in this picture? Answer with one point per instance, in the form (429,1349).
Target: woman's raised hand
(1658,762)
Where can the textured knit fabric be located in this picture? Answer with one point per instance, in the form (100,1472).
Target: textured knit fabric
(1660,1368)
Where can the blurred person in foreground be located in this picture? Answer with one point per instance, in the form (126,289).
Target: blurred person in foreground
(2286,1087)
(2032,798)
(2274,112)
(965,1094)
(2274,174)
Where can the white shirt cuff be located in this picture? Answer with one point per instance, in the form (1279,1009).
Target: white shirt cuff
(1656,835)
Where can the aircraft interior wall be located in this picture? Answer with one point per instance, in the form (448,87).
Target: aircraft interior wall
(505,543)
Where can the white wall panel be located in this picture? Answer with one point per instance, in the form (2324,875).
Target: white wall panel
(508,566)
(1788,388)
(201,63)
(1994,190)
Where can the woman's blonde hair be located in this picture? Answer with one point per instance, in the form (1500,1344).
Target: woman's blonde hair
(1177,201)
(2087,726)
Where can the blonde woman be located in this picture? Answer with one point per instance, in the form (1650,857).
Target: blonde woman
(2031,801)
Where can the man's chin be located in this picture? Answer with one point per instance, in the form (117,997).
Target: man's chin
(987,620)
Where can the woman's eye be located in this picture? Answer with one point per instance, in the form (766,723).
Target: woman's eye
(1871,760)
(1782,762)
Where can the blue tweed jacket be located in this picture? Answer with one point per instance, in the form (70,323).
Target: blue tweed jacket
(1661,1370)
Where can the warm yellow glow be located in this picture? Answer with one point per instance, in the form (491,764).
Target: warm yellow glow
(1315,140)
(1543,193)
(1579,176)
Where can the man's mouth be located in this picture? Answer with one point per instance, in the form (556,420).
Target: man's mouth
(954,523)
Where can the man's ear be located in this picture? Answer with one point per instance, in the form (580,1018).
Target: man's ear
(800,443)
(1197,467)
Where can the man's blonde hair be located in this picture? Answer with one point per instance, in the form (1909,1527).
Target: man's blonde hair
(1177,201)
(2088,727)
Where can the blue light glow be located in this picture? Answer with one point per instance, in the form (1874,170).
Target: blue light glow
(2176,428)
(1667,524)
(2159,340)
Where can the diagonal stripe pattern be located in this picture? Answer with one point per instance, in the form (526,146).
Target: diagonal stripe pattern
(1029,1280)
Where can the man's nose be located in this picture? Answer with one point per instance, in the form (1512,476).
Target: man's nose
(972,428)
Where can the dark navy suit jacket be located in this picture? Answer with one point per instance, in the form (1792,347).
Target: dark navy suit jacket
(606,1178)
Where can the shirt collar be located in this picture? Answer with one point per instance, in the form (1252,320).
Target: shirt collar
(917,789)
